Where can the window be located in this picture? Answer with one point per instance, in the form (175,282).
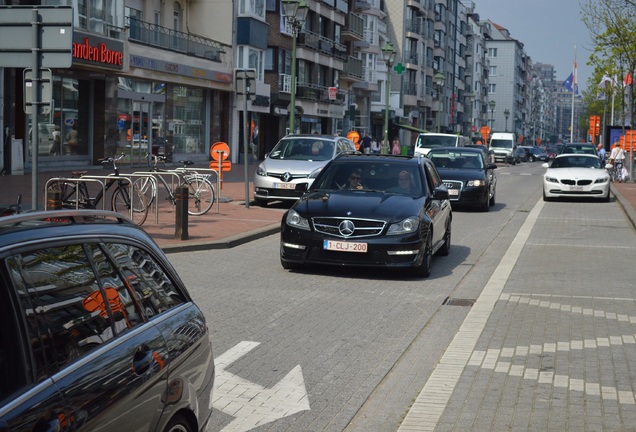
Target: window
(252,8)
(268,61)
(493,71)
(250,58)
(492,88)
(492,52)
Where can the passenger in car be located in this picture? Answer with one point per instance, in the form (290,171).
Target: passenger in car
(354,180)
(405,185)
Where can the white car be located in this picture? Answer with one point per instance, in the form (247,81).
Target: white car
(575,175)
(294,160)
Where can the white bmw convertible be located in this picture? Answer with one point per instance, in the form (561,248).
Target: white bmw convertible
(576,175)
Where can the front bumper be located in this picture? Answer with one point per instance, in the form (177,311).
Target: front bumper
(306,247)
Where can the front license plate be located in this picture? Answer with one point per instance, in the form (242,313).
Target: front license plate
(284,185)
(453,192)
(344,246)
(576,188)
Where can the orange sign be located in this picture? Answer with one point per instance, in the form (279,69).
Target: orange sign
(219,150)
(225,165)
(485,132)
(355,137)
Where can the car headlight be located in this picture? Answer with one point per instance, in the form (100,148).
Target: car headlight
(314,173)
(551,179)
(602,180)
(476,183)
(408,225)
(261,171)
(297,221)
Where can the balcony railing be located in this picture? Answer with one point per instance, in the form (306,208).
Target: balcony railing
(412,57)
(309,39)
(409,88)
(162,37)
(370,75)
(353,67)
(308,91)
(356,25)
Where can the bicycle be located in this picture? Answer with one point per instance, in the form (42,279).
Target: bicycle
(616,171)
(12,209)
(200,189)
(75,194)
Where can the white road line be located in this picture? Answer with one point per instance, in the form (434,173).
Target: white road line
(434,397)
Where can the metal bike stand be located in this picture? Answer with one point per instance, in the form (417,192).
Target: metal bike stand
(110,177)
(75,180)
(152,175)
(209,171)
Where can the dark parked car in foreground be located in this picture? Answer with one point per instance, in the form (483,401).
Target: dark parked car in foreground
(97,331)
(469,178)
(370,210)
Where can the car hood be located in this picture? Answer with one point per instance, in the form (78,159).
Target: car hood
(360,204)
(576,173)
(461,174)
(292,166)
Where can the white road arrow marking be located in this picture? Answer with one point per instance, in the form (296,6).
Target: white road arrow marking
(251,404)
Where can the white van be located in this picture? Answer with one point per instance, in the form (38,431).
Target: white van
(429,140)
(504,145)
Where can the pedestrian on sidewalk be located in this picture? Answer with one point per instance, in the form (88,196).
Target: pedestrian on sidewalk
(600,151)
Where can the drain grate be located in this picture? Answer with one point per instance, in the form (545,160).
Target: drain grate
(458,302)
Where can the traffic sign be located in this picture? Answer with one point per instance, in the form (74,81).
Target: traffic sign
(219,149)
(53,36)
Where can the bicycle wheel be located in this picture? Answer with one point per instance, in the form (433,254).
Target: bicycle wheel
(200,195)
(148,187)
(121,203)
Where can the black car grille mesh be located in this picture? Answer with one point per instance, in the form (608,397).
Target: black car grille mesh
(575,182)
(453,185)
(361,227)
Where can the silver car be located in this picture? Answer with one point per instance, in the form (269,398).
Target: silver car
(295,159)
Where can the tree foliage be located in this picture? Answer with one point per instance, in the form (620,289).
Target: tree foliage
(611,25)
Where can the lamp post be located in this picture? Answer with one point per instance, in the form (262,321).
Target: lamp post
(295,12)
(388,55)
(506,114)
(492,104)
(439,81)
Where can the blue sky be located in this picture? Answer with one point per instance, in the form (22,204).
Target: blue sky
(548,29)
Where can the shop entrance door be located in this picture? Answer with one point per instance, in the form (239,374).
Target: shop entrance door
(139,135)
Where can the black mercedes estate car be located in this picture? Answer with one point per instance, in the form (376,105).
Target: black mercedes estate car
(370,210)
(97,331)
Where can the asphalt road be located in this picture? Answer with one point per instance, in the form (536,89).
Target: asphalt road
(530,340)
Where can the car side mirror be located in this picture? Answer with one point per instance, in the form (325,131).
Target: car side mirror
(491,166)
(440,193)
(545,165)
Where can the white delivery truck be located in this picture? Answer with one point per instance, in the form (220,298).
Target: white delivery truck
(428,140)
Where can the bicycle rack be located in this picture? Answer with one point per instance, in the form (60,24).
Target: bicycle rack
(75,180)
(110,177)
(152,175)
(209,171)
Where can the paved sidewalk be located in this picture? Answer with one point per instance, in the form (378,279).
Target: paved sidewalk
(228,223)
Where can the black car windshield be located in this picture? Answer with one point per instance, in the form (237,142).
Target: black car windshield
(500,143)
(456,159)
(303,149)
(386,177)
(576,162)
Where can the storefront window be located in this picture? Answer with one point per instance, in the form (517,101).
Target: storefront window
(185,126)
(64,126)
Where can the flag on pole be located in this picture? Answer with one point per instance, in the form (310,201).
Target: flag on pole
(604,80)
(569,83)
(629,79)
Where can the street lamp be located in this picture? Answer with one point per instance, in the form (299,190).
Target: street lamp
(439,81)
(492,104)
(506,114)
(295,12)
(388,55)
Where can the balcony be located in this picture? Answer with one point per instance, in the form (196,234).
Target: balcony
(311,92)
(171,40)
(352,70)
(354,31)
(316,42)
(411,58)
